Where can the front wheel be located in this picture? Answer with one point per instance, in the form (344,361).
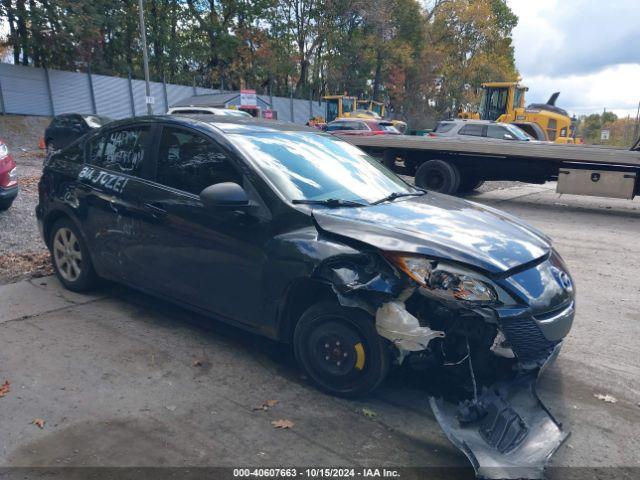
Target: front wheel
(339,348)
(70,257)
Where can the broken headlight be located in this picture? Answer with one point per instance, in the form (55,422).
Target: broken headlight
(447,281)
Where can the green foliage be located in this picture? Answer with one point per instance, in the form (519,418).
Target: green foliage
(422,61)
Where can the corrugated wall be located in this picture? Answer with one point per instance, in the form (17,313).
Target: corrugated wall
(35,91)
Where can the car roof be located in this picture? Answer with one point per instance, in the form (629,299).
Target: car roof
(225,124)
(464,121)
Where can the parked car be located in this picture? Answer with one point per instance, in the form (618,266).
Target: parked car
(361,126)
(480,128)
(68,127)
(299,236)
(8,177)
(208,111)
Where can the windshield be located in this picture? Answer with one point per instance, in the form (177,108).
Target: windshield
(311,166)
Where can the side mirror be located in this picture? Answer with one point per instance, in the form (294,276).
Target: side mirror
(226,195)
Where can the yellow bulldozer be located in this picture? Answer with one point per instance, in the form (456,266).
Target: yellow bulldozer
(505,102)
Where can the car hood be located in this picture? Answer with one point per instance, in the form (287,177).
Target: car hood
(442,227)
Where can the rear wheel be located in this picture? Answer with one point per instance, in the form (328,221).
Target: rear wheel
(438,176)
(469,183)
(70,257)
(340,350)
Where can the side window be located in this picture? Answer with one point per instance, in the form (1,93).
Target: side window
(121,151)
(190,162)
(335,126)
(495,131)
(473,130)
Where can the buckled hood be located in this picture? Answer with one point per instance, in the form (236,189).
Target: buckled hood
(442,227)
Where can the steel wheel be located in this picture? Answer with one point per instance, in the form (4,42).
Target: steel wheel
(340,350)
(67,254)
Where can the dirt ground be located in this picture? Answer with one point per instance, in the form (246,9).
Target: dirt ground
(123,379)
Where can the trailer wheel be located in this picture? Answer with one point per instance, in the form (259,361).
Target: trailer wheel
(389,159)
(438,176)
(469,183)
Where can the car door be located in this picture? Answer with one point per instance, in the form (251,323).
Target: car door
(206,258)
(116,163)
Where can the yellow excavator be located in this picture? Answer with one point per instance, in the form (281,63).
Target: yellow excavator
(505,102)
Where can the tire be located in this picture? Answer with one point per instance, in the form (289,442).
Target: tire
(389,160)
(469,183)
(70,257)
(340,350)
(438,176)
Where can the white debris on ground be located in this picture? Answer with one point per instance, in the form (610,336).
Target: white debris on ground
(605,398)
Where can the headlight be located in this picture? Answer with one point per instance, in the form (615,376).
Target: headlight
(4,151)
(447,281)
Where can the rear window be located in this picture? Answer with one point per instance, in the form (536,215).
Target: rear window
(444,127)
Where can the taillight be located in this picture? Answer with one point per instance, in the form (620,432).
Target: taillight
(430,134)
(378,132)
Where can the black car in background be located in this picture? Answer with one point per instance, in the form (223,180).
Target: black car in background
(299,236)
(68,127)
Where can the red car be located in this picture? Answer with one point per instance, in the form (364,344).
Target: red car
(8,177)
(361,126)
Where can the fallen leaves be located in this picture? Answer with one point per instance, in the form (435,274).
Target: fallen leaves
(38,422)
(282,423)
(266,405)
(605,398)
(5,388)
(16,266)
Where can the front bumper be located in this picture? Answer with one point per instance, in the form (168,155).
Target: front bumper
(515,437)
(533,337)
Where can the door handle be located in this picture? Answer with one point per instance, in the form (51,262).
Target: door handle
(155,210)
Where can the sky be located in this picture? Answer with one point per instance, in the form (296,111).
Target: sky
(588,50)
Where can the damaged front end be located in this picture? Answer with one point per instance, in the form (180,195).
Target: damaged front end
(482,337)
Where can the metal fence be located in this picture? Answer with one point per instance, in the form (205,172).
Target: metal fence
(38,91)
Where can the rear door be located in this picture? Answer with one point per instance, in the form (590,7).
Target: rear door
(206,258)
(473,130)
(116,164)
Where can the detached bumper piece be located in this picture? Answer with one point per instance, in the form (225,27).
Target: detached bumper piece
(506,433)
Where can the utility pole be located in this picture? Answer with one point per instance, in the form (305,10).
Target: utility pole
(636,130)
(145,58)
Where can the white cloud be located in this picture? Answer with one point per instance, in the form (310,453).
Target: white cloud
(586,49)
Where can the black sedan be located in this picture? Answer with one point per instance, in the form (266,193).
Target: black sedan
(68,127)
(302,237)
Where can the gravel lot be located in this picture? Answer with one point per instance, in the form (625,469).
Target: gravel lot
(21,249)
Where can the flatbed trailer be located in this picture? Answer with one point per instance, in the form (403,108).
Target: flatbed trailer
(454,165)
